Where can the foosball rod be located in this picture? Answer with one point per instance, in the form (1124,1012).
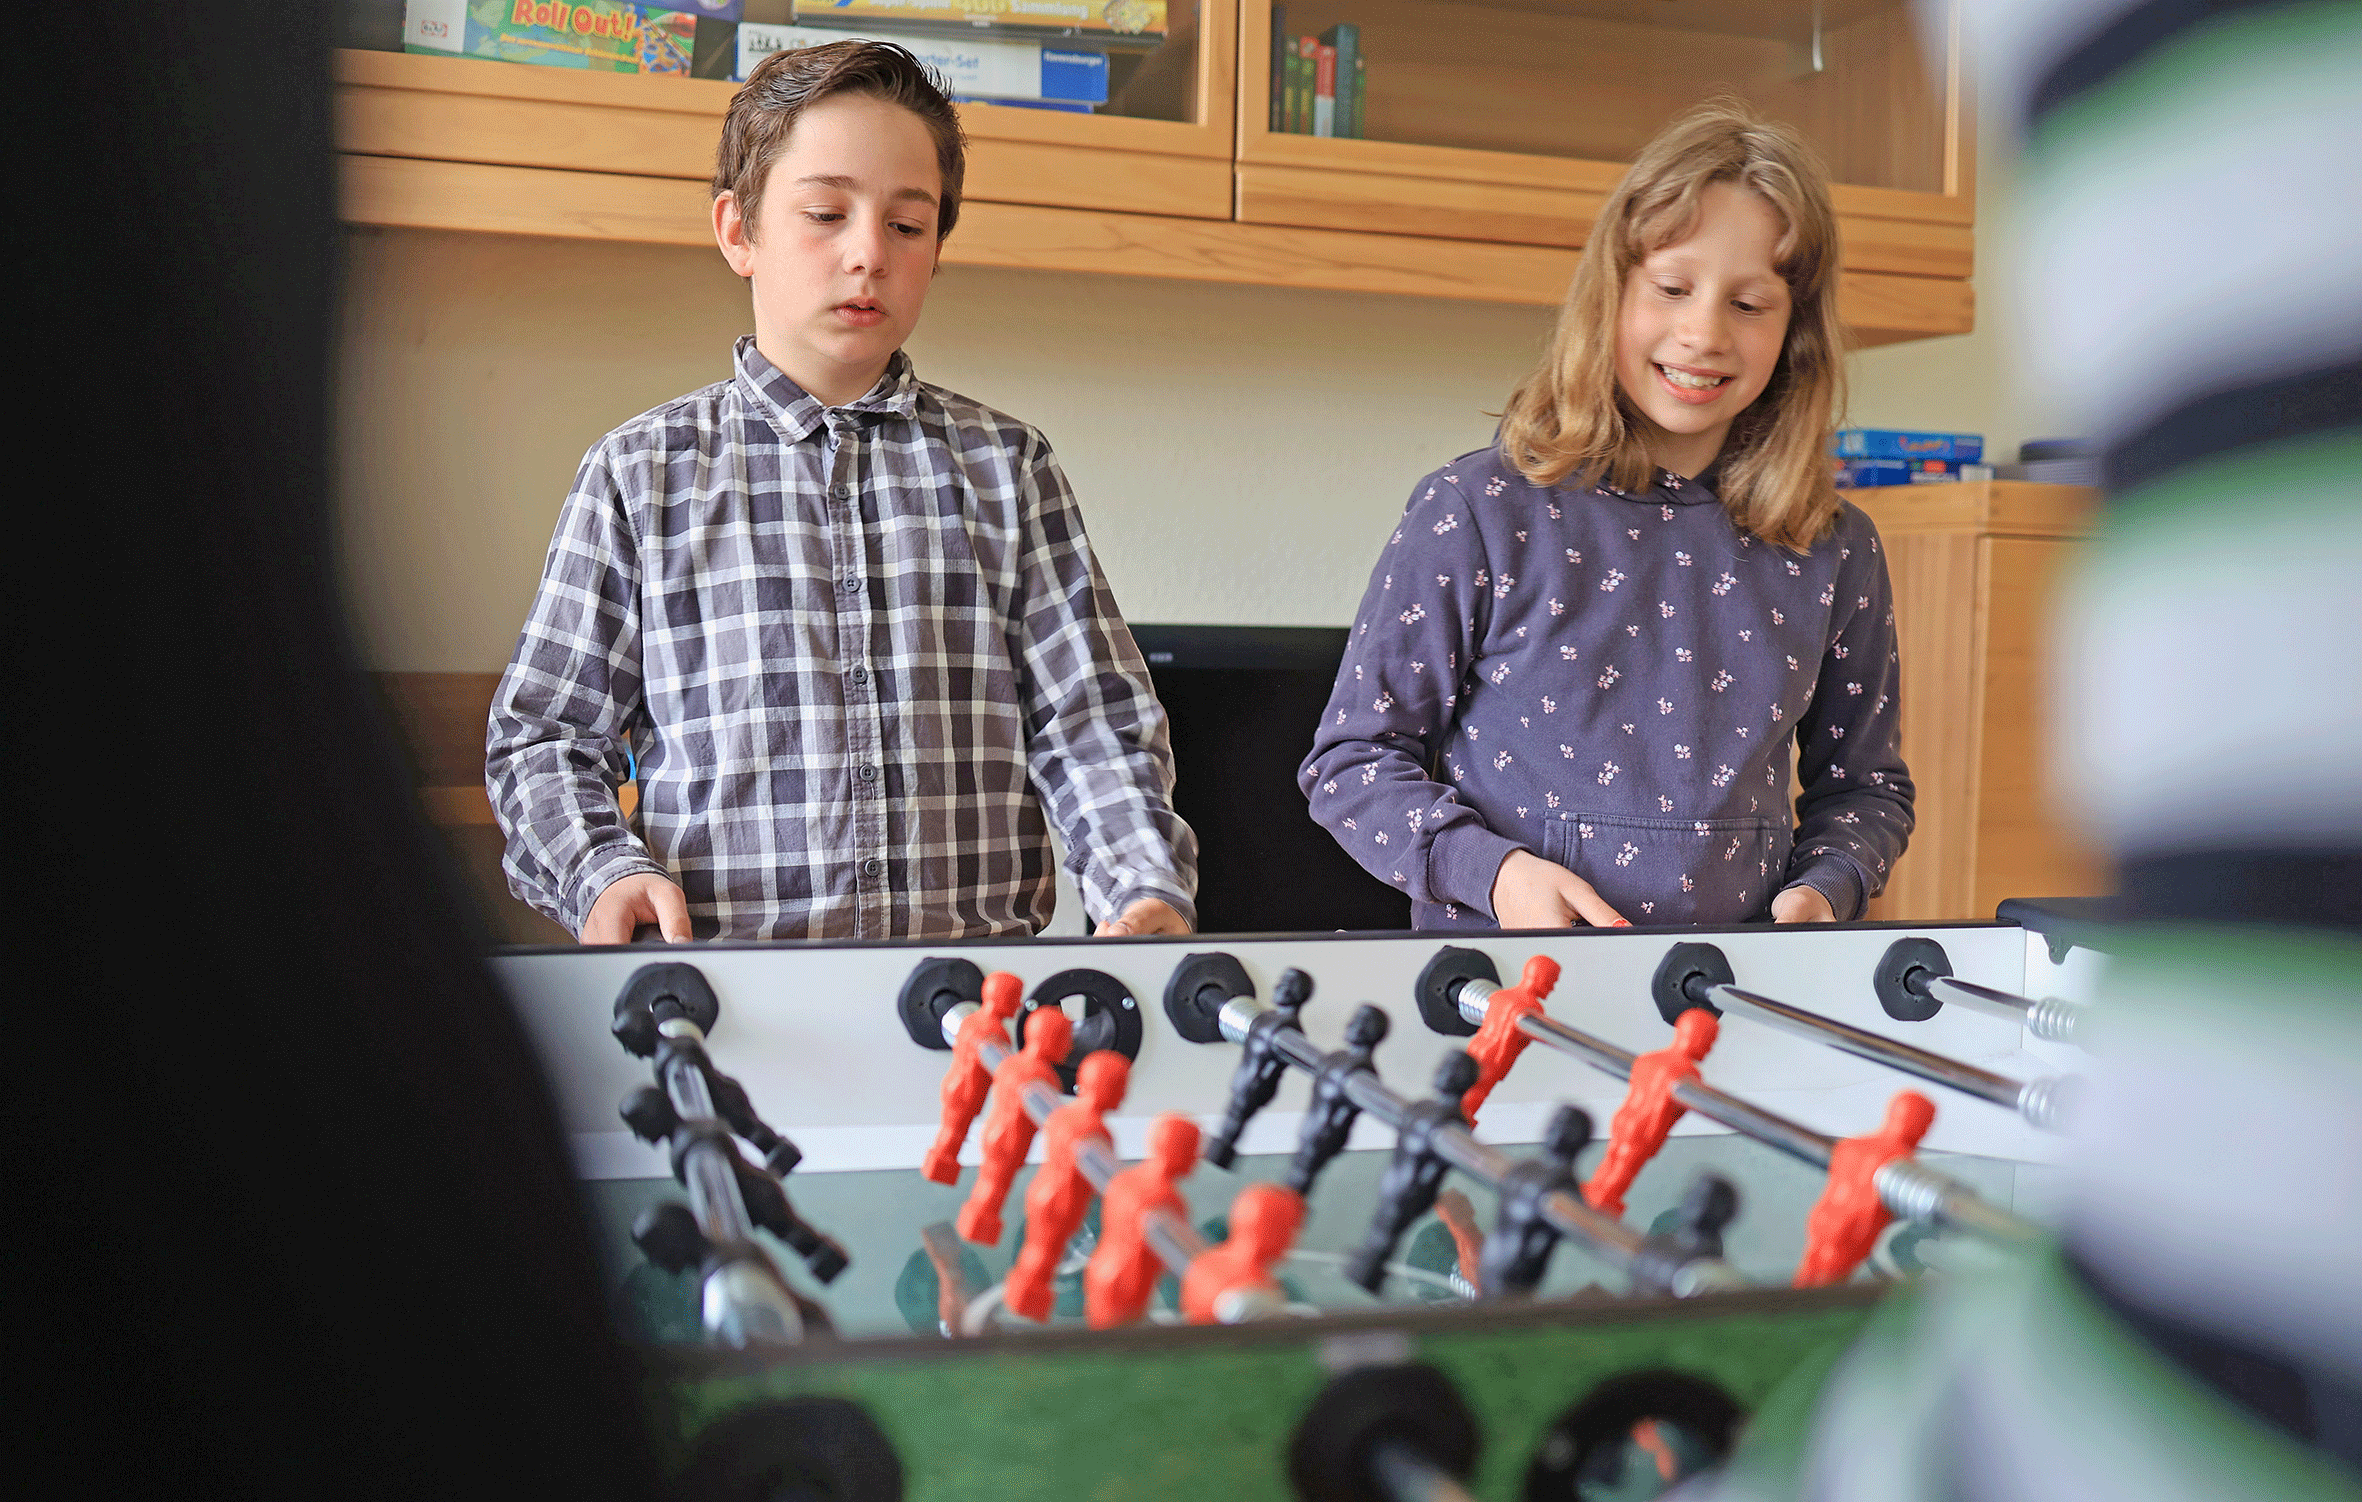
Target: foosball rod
(1175,1242)
(1907,1187)
(2051,1018)
(745,1301)
(1605,1236)
(2040,1102)
(1405,1475)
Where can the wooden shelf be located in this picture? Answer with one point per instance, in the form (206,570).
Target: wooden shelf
(407,193)
(407,106)
(456,143)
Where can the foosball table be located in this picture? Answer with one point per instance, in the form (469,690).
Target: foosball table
(1539,1215)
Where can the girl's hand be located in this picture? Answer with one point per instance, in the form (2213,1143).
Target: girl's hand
(1530,892)
(1802,905)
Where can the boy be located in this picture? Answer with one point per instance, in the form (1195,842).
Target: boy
(847,622)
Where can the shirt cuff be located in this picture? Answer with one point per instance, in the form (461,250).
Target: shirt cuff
(1462,862)
(600,874)
(1837,878)
(1166,895)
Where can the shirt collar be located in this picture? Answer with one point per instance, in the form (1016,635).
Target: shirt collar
(1670,489)
(797,412)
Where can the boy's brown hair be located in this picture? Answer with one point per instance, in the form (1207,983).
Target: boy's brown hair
(787,83)
(1571,415)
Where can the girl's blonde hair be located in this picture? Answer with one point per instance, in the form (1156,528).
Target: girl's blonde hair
(1571,417)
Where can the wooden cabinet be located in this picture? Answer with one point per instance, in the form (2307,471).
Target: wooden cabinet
(1510,121)
(1497,130)
(1975,569)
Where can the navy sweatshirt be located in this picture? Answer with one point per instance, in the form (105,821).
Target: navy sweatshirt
(1613,681)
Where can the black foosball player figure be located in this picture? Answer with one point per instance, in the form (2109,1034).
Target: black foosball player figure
(1518,1252)
(1415,1172)
(1260,1065)
(1329,1121)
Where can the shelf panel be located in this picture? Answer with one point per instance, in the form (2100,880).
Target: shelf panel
(1437,207)
(1982,508)
(1260,255)
(1881,308)
(1382,204)
(487,198)
(490,199)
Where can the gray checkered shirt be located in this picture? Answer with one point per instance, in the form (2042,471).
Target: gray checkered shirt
(847,646)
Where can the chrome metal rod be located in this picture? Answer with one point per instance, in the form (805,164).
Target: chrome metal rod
(1916,1193)
(1610,1238)
(712,1179)
(1174,1240)
(1405,1475)
(2049,1017)
(2038,1101)
(1744,1117)
(1912,1190)
(744,1300)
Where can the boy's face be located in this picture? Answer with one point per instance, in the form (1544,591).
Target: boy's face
(1701,326)
(845,248)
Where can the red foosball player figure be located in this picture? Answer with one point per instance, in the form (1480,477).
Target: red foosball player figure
(965,1083)
(1263,1222)
(1847,1218)
(1500,1040)
(1649,1110)
(1008,1130)
(1059,1194)
(1123,1272)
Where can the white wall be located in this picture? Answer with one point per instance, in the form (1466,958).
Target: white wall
(1241,451)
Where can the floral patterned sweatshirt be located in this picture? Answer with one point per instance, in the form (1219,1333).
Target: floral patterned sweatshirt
(1613,681)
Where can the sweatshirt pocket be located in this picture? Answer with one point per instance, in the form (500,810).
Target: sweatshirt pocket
(1708,871)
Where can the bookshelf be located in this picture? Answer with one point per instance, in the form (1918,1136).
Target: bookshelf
(1472,183)
(1510,121)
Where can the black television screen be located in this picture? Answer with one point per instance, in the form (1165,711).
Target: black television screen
(1243,701)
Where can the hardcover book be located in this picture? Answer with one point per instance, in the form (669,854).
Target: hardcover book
(1307,66)
(1344,39)
(1279,67)
(1324,90)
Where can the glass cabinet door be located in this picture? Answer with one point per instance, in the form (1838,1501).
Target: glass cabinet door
(1132,59)
(1593,80)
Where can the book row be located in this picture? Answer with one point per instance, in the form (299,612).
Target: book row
(1316,81)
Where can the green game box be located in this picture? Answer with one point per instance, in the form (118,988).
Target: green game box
(605,36)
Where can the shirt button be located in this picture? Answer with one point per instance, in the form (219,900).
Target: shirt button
(861,675)
(868,773)
(873,867)
(844,492)
(849,583)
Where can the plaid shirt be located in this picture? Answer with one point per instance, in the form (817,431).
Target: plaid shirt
(846,646)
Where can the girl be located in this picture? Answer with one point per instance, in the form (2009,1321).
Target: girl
(1573,685)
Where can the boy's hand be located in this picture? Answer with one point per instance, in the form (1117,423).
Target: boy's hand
(1802,905)
(1147,916)
(628,902)
(1530,892)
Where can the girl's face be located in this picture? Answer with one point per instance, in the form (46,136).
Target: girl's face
(1701,327)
